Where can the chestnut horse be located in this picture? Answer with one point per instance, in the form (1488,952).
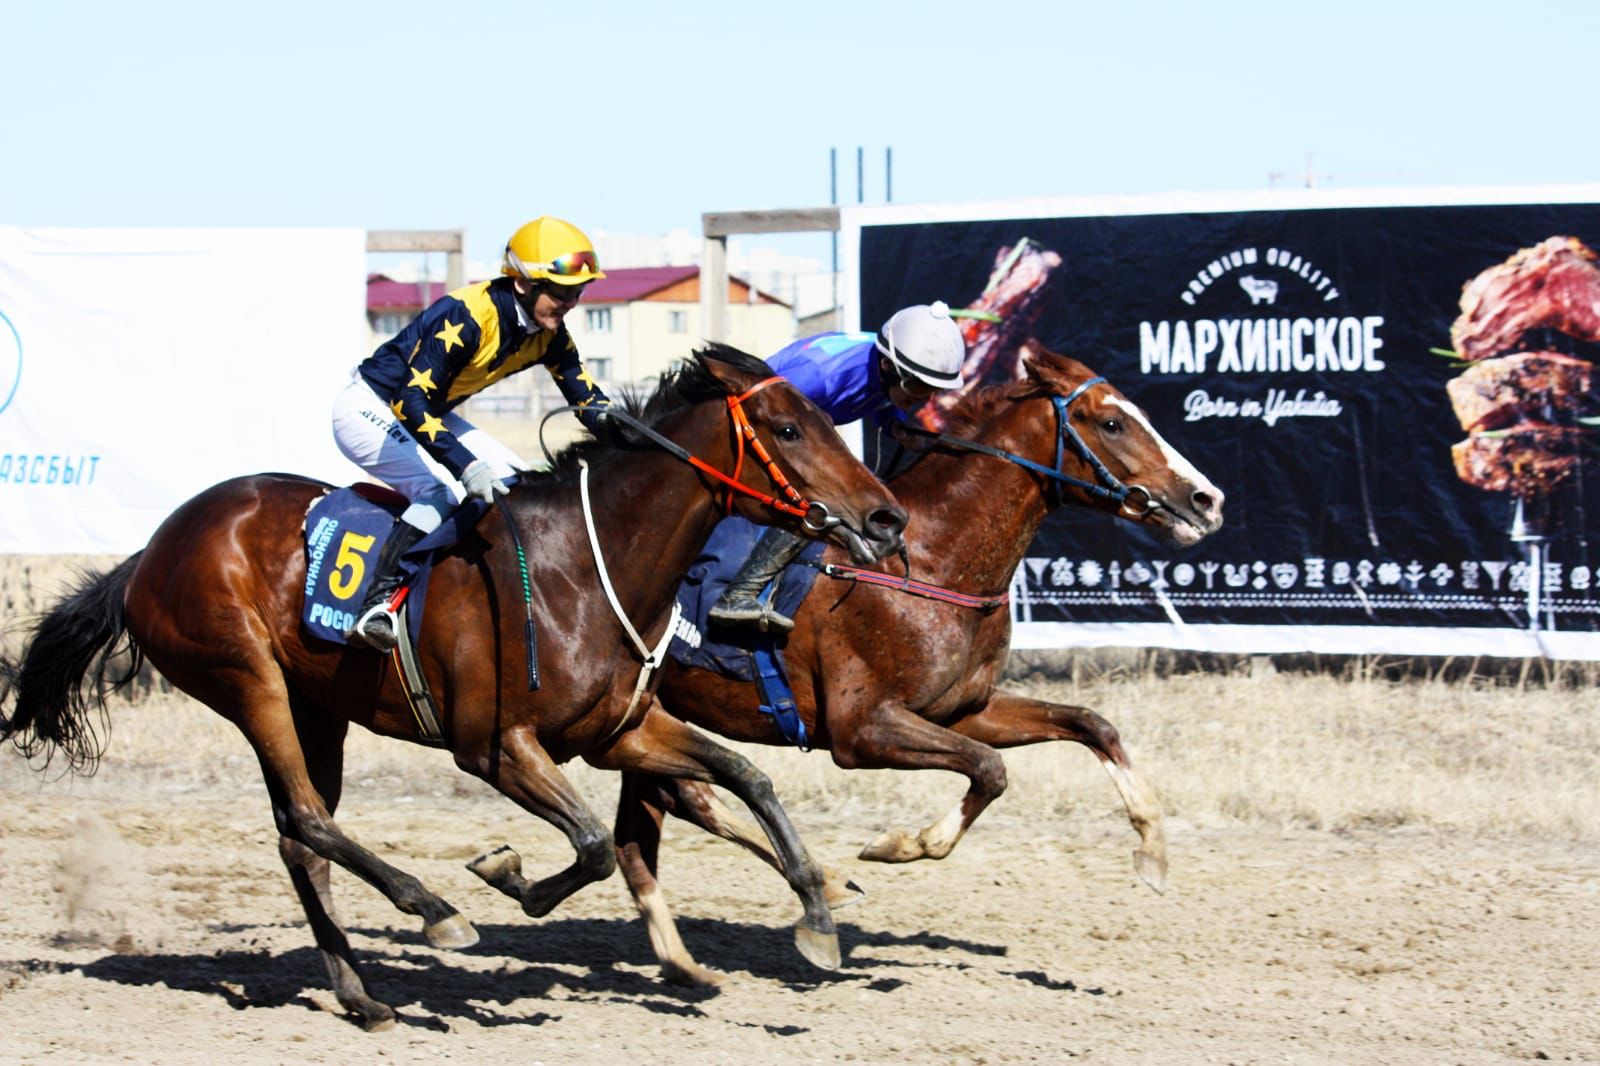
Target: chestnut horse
(882,678)
(214,602)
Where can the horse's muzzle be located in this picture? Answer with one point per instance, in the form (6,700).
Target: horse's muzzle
(881,535)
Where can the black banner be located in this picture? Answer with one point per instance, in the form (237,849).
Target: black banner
(1291,355)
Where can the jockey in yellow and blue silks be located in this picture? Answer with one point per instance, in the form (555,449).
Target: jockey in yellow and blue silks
(851,376)
(396,418)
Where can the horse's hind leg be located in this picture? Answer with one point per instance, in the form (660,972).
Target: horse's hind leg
(1010,721)
(640,808)
(322,738)
(301,814)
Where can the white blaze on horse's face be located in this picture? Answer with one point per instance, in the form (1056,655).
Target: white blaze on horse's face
(1199,510)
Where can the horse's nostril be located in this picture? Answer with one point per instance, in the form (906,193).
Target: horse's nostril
(887,520)
(1206,503)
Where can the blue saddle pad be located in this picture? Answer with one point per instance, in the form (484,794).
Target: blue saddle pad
(730,653)
(345,531)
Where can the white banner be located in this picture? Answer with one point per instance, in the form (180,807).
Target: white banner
(140,366)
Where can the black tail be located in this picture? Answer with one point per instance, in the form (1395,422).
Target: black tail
(59,688)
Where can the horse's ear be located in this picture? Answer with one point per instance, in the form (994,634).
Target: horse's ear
(1051,371)
(734,377)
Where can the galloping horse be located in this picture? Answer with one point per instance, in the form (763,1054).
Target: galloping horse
(214,602)
(882,678)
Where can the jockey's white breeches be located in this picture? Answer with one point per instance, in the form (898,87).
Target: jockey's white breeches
(371,436)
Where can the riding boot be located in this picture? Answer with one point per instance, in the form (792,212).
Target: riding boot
(740,603)
(375,625)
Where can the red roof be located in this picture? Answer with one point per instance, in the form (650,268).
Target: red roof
(631,283)
(386,294)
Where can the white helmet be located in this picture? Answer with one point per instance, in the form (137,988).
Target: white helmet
(925,342)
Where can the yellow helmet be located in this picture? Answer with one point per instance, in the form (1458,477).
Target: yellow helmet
(548,249)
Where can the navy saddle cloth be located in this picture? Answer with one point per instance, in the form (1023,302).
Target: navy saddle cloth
(696,643)
(345,531)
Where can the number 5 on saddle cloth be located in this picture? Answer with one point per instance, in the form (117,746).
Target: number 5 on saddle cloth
(345,530)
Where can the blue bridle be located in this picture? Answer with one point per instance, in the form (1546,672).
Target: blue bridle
(1106,486)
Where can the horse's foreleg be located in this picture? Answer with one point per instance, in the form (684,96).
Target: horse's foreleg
(891,737)
(638,836)
(698,804)
(525,773)
(664,746)
(1010,720)
(323,741)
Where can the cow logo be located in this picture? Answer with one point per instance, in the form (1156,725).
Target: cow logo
(1260,290)
(10,361)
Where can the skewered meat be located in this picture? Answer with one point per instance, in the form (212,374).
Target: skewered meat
(1018,279)
(1526,460)
(1498,392)
(1553,285)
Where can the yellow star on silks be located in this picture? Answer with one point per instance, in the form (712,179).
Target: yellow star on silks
(431,426)
(583,376)
(451,335)
(422,379)
(394,405)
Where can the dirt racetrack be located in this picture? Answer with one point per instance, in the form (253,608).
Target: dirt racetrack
(146,918)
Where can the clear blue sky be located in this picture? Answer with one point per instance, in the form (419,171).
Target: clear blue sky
(638,117)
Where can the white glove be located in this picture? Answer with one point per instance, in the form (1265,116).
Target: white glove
(480,481)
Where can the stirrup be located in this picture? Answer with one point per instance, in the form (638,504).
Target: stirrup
(377,628)
(751,612)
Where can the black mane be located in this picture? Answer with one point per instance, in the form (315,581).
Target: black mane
(685,384)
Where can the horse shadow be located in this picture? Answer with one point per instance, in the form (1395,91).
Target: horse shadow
(589,959)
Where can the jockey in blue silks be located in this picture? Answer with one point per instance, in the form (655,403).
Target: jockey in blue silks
(851,376)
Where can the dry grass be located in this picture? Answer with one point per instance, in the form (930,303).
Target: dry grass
(1326,746)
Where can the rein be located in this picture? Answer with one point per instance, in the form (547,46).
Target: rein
(813,514)
(1107,485)
(910,587)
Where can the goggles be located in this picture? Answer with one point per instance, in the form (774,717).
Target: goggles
(569,265)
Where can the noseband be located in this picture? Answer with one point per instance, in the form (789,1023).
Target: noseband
(1135,499)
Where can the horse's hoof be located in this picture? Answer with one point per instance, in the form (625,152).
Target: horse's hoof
(451,932)
(497,866)
(691,974)
(1152,868)
(894,845)
(376,1021)
(838,891)
(819,949)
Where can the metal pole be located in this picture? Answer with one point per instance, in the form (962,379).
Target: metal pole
(833,200)
(888,175)
(861,169)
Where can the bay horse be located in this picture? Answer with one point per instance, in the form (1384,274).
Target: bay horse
(886,679)
(214,602)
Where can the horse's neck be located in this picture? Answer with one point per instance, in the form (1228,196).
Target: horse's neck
(651,513)
(972,518)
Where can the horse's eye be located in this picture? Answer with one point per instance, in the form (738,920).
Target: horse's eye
(787,431)
(1112,425)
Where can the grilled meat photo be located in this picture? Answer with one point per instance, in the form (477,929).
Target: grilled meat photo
(1526,460)
(1499,392)
(1553,285)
